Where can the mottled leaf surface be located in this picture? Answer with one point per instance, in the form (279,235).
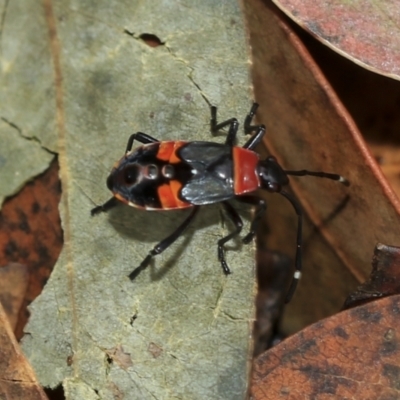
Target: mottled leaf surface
(352,355)
(366,32)
(182,329)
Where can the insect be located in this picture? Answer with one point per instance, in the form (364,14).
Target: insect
(168,175)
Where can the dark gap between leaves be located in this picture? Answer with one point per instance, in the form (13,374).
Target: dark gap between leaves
(55,394)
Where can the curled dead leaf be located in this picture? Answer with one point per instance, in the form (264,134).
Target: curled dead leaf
(384,279)
(354,354)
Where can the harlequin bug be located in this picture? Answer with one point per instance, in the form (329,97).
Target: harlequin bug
(172,175)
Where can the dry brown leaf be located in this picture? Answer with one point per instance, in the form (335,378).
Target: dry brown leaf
(307,127)
(13,284)
(354,354)
(18,380)
(384,279)
(30,233)
(371,99)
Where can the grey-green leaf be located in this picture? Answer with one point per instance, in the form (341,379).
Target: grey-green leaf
(182,329)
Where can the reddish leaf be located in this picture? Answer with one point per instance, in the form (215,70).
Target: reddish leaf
(366,32)
(354,354)
(18,380)
(30,232)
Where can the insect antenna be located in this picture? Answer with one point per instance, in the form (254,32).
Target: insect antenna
(334,177)
(297,208)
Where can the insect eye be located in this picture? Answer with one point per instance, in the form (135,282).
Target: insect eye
(131,174)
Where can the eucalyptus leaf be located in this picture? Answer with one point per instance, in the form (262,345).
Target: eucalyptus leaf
(182,328)
(21,159)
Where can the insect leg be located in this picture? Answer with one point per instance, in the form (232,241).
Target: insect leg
(215,127)
(299,241)
(261,206)
(140,137)
(105,207)
(248,128)
(254,140)
(235,218)
(164,244)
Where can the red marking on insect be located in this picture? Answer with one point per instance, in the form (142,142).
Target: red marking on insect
(245,174)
